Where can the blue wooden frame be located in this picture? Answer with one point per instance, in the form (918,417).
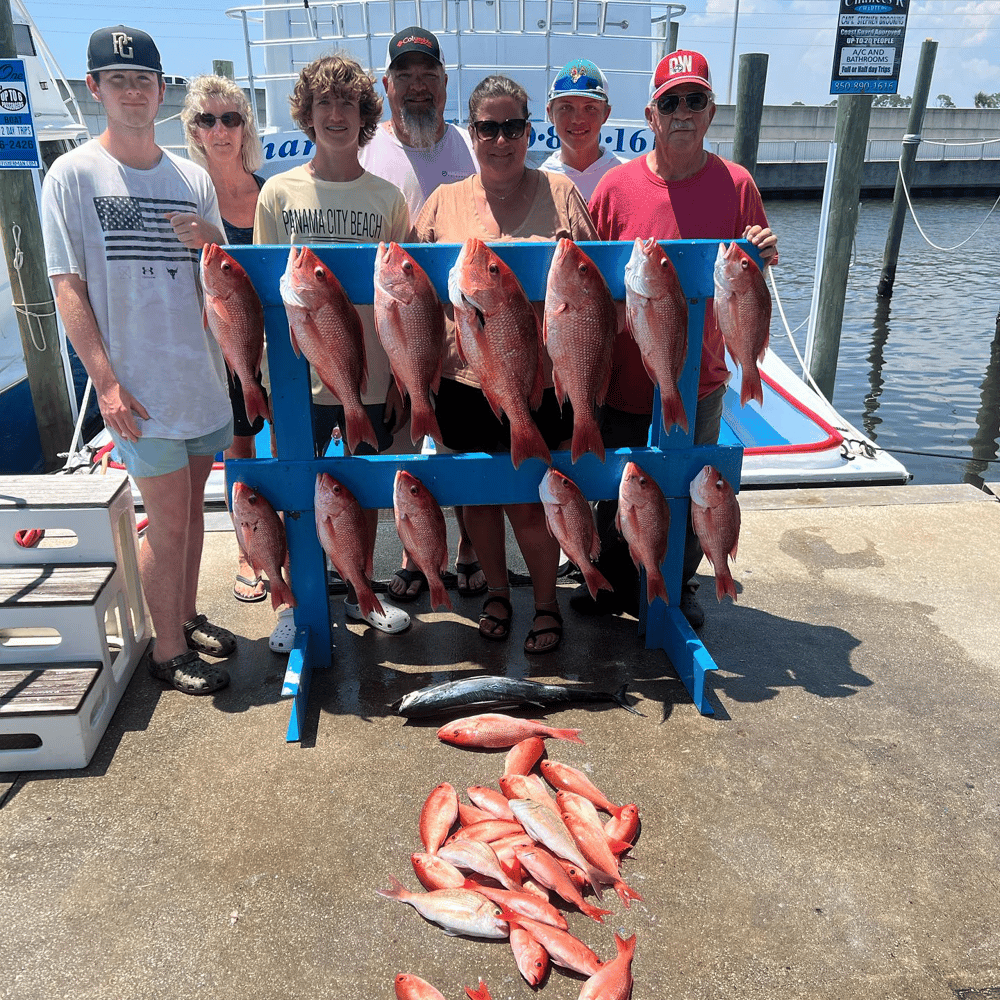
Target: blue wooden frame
(288,481)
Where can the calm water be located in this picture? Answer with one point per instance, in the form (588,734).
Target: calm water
(921,372)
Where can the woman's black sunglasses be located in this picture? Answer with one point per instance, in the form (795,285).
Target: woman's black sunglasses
(512,128)
(231,119)
(668,104)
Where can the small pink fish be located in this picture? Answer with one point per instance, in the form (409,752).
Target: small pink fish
(715,516)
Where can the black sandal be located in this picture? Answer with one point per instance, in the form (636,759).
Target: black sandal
(408,576)
(556,630)
(188,673)
(504,623)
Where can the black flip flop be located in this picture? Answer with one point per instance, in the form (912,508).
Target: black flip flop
(247,582)
(556,630)
(504,623)
(408,576)
(469,569)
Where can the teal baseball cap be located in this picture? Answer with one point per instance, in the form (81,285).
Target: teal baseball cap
(580,78)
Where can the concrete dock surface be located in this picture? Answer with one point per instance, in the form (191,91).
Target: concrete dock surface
(831,833)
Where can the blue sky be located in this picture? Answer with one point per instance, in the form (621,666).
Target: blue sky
(798,36)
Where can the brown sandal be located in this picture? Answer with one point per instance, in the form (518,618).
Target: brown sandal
(503,623)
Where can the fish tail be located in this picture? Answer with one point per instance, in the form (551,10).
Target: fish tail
(481,992)
(255,403)
(281,593)
(620,698)
(595,580)
(673,410)
(398,890)
(625,894)
(439,596)
(586,437)
(423,421)
(527,442)
(751,389)
(594,912)
(724,584)
(572,735)
(359,428)
(368,601)
(656,586)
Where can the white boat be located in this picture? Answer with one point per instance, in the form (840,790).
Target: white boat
(59,126)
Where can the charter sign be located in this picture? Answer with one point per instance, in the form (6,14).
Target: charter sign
(869,46)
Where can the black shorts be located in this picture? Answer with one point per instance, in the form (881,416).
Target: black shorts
(468,423)
(328,416)
(241,423)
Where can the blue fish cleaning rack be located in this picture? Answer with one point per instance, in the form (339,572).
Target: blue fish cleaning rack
(288,481)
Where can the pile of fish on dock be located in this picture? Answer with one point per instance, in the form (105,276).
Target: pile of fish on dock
(499,337)
(520,856)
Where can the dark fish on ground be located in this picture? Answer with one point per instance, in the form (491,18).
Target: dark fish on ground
(493,691)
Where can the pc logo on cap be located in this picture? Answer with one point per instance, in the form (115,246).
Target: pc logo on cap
(679,67)
(122,48)
(413,39)
(579,78)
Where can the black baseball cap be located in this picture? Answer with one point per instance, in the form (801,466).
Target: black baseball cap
(413,39)
(122,48)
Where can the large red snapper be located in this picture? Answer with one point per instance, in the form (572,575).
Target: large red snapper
(657,314)
(324,326)
(499,339)
(579,327)
(344,534)
(715,516)
(236,318)
(496,730)
(421,528)
(571,523)
(457,911)
(411,987)
(409,321)
(614,980)
(262,536)
(643,519)
(743,312)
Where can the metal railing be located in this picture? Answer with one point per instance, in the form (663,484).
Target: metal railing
(816,150)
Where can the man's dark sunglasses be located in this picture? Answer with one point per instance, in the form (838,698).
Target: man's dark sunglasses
(231,119)
(668,104)
(512,128)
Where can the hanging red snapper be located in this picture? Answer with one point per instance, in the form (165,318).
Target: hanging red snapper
(643,519)
(579,327)
(499,339)
(571,523)
(421,528)
(263,538)
(743,312)
(657,314)
(344,534)
(715,516)
(324,326)
(409,321)
(236,318)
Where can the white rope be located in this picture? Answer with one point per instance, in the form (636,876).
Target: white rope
(37,341)
(791,339)
(916,221)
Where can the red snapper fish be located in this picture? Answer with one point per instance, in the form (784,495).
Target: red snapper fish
(409,321)
(657,314)
(643,519)
(743,313)
(523,756)
(421,528)
(499,339)
(531,958)
(456,911)
(411,987)
(236,318)
(571,523)
(614,980)
(343,532)
(495,730)
(579,327)
(481,992)
(263,538)
(324,326)
(437,816)
(715,516)
(565,777)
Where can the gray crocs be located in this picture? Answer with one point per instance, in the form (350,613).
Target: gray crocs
(188,673)
(204,637)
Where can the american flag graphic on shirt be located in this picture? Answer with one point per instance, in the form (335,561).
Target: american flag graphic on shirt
(137,228)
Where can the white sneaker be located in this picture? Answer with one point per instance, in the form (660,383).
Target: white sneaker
(283,637)
(394,620)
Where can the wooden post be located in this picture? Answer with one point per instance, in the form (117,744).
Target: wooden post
(46,378)
(853,116)
(911,143)
(749,108)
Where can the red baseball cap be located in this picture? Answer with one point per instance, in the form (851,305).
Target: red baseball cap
(682,66)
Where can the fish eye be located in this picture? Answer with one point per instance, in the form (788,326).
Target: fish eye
(320,273)
(413,491)
(583,269)
(718,484)
(493,269)
(407,266)
(225,266)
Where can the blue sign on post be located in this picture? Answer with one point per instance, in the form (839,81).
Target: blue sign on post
(18,145)
(869,46)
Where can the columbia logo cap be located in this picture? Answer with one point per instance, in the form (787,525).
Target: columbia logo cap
(413,39)
(580,78)
(122,48)
(679,67)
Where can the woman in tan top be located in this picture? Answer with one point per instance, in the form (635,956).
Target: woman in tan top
(506,200)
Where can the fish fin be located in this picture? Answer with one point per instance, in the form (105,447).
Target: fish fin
(724,584)
(281,593)
(673,410)
(254,402)
(527,442)
(625,894)
(595,580)
(586,437)
(620,698)
(751,388)
(359,428)
(439,596)
(294,340)
(423,421)
(481,992)
(398,890)
(570,735)
(656,586)
(594,912)
(368,601)
(619,846)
